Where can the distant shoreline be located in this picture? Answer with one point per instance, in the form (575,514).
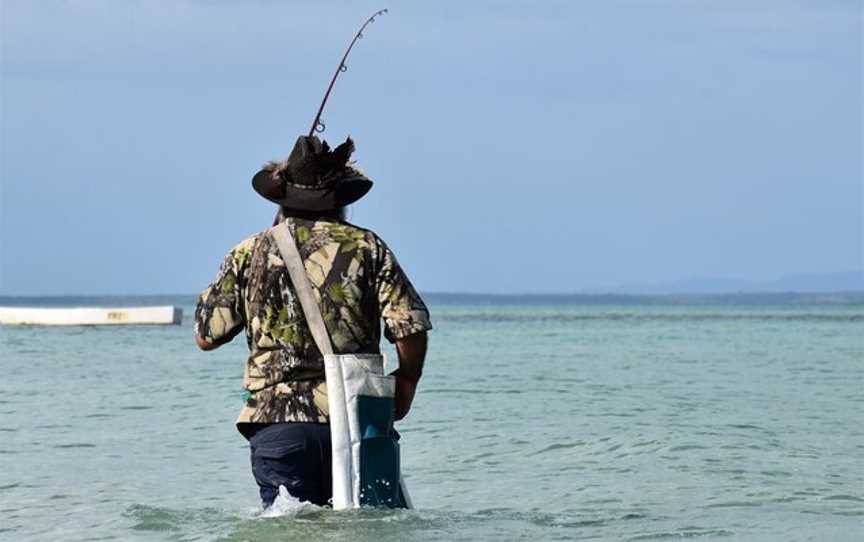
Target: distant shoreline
(446,298)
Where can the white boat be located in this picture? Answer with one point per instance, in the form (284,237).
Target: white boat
(90,316)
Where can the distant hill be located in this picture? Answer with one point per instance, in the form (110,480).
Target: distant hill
(731,299)
(852,281)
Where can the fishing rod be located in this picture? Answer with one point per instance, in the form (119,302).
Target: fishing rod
(317,125)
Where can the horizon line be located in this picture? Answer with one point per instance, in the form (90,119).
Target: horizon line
(499,294)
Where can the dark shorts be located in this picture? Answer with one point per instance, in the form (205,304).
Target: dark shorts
(294,455)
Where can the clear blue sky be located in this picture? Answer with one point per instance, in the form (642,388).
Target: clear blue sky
(516,146)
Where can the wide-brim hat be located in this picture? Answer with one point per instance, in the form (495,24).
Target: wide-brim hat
(313,177)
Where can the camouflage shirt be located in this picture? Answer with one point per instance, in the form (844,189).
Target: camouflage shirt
(357,282)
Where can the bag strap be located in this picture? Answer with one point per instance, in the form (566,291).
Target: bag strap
(291,256)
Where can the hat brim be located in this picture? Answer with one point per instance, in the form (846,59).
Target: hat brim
(342,194)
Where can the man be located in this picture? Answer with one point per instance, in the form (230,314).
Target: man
(357,282)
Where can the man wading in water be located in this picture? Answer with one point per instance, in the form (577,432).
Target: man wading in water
(357,282)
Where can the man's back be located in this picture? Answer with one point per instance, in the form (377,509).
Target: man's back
(357,282)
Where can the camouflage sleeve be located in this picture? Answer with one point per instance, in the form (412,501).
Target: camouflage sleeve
(400,305)
(219,313)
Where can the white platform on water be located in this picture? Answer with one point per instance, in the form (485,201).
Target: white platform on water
(90,316)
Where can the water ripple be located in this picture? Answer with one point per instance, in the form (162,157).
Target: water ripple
(559,446)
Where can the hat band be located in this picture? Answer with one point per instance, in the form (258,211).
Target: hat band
(307,187)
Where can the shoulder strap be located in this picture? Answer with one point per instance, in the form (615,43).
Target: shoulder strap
(291,256)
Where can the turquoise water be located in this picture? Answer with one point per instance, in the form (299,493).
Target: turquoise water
(540,422)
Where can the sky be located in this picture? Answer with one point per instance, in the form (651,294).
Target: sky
(516,146)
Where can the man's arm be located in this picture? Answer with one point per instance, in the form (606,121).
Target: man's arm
(412,353)
(406,321)
(219,315)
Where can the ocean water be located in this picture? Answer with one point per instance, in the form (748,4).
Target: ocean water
(533,422)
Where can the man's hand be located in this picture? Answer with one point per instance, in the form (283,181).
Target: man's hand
(204,345)
(404,396)
(412,353)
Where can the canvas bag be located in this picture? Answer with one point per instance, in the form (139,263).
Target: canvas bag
(365,447)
